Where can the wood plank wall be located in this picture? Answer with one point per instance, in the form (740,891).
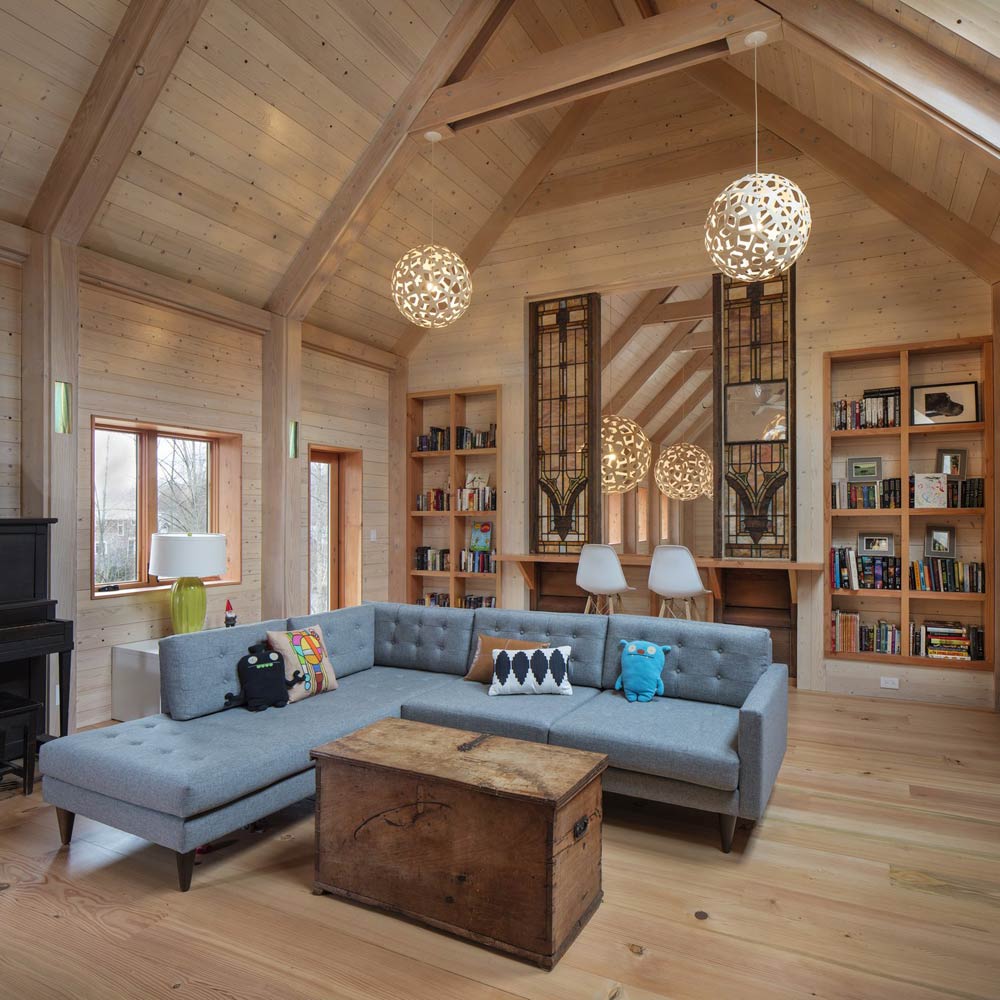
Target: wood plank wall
(10,390)
(865,276)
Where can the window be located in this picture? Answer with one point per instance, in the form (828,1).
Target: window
(335,498)
(613,513)
(642,514)
(149,478)
(664,518)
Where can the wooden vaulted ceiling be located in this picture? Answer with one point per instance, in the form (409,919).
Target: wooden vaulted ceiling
(271,103)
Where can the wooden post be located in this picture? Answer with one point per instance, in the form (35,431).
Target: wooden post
(993,377)
(50,369)
(283,574)
(399,500)
(630,523)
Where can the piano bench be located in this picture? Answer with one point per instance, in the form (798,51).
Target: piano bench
(19,714)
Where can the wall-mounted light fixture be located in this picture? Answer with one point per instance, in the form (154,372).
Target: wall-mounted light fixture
(62,407)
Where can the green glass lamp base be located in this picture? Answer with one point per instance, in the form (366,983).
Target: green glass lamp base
(188,604)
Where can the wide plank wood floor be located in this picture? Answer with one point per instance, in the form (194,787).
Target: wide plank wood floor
(875,874)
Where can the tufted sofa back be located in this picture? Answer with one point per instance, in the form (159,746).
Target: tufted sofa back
(707,662)
(348,634)
(584,633)
(410,635)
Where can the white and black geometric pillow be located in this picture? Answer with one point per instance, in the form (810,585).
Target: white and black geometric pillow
(531,671)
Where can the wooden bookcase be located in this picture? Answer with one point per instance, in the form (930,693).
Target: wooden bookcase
(477,408)
(904,450)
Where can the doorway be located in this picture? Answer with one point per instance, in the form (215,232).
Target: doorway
(334,528)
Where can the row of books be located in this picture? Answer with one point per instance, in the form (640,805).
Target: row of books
(947,641)
(436,439)
(849,571)
(483,498)
(950,576)
(878,408)
(443,600)
(849,634)
(431,559)
(927,490)
(466,438)
(434,600)
(433,500)
(885,494)
(471,561)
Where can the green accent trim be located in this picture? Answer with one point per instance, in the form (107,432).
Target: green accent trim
(62,408)
(188,604)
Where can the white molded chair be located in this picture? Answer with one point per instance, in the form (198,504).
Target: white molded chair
(599,573)
(674,576)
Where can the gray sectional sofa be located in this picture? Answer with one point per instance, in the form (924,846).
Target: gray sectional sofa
(199,771)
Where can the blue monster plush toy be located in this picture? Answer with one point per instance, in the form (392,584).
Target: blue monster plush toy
(642,664)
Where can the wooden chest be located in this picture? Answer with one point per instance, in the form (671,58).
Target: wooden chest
(493,839)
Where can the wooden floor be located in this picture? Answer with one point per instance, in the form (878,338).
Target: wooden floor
(875,874)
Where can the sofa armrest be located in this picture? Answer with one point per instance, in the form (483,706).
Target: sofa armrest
(763,735)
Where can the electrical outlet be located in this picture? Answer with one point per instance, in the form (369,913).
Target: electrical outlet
(889,682)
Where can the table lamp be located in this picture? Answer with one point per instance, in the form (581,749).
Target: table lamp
(187,559)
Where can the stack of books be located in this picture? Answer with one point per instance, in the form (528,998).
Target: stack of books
(436,439)
(433,500)
(848,634)
(849,571)
(471,561)
(435,560)
(466,438)
(947,641)
(886,494)
(483,498)
(949,576)
(474,601)
(934,489)
(878,408)
(434,601)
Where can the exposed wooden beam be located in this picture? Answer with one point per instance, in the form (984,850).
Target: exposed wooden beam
(474,53)
(399,500)
(631,11)
(697,362)
(727,155)
(139,60)
(698,426)
(535,170)
(977,21)
(378,169)
(649,367)
(924,83)
(956,237)
(15,242)
(632,323)
(318,338)
(671,312)
(687,34)
(696,341)
(699,391)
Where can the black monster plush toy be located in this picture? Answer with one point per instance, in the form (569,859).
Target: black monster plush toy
(262,679)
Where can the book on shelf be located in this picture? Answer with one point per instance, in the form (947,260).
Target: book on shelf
(430,559)
(886,494)
(849,571)
(474,601)
(470,561)
(958,492)
(948,576)
(928,489)
(481,536)
(436,439)
(436,499)
(877,408)
(849,634)
(467,439)
(947,641)
(434,600)
(476,498)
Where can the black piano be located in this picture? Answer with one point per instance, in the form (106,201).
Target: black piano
(29,630)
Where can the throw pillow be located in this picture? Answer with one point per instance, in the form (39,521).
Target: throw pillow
(531,671)
(482,663)
(304,651)
(642,668)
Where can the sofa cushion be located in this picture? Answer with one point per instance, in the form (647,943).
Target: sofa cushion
(422,638)
(686,740)
(706,662)
(584,633)
(468,706)
(187,768)
(348,634)
(198,669)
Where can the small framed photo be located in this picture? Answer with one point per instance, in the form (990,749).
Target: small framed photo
(864,470)
(876,544)
(940,542)
(952,462)
(947,403)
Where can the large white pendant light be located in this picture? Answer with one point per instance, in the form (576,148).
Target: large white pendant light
(625,454)
(431,285)
(759,225)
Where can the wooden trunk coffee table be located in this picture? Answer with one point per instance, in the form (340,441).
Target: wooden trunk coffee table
(493,839)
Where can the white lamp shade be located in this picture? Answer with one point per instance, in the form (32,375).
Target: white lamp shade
(175,555)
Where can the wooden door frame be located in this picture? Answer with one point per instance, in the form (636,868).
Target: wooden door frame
(351,519)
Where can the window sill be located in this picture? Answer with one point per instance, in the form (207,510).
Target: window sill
(96,595)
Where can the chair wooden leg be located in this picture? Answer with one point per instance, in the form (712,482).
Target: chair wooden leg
(727,827)
(590,601)
(65,818)
(663,607)
(185,869)
(687,608)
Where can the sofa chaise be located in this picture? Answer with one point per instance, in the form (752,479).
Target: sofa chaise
(198,771)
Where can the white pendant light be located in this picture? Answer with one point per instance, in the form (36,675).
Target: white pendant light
(625,454)
(759,225)
(431,285)
(684,472)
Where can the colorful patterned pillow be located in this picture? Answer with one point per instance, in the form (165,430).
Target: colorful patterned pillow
(531,671)
(304,651)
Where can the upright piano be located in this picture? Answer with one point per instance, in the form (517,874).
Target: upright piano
(30,632)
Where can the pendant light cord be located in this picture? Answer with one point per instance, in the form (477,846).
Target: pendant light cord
(756,122)
(433,180)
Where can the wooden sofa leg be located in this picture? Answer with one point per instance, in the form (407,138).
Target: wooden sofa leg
(185,869)
(65,818)
(727,827)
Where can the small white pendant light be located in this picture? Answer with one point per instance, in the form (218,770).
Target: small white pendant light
(625,454)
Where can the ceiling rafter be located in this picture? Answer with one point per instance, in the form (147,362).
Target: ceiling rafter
(696,363)
(953,235)
(142,54)
(632,323)
(698,426)
(681,412)
(671,312)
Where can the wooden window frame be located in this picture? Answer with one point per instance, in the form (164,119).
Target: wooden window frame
(225,499)
(350,526)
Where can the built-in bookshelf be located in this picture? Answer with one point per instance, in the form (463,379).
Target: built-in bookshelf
(453,490)
(883,603)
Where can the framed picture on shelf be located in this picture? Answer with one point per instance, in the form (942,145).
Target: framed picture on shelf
(952,462)
(871,543)
(940,542)
(946,403)
(864,470)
